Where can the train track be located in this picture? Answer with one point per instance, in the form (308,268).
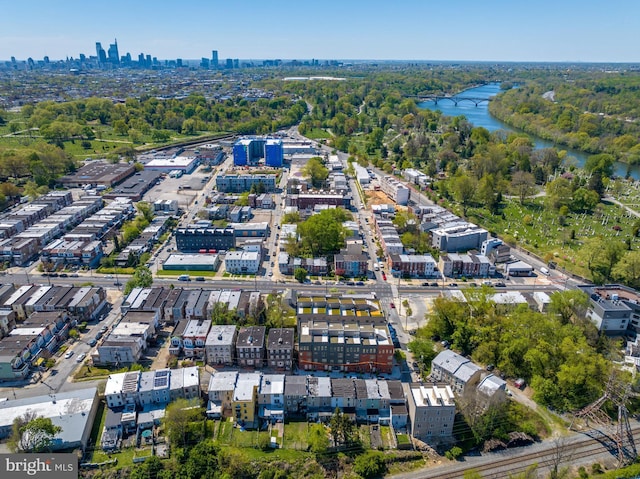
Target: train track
(511,462)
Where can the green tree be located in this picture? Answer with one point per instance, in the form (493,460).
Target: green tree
(559,193)
(318,439)
(370,464)
(178,416)
(32,433)
(120,127)
(146,210)
(142,278)
(522,185)
(315,171)
(464,189)
(342,429)
(628,269)
(300,274)
(323,233)
(569,305)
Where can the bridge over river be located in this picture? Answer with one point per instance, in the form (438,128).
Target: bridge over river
(452,98)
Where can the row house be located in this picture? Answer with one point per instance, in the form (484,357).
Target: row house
(63,251)
(220,346)
(37,336)
(309,201)
(470,265)
(351,262)
(7,322)
(250,346)
(314,266)
(348,345)
(413,265)
(222,385)
(146,299)
(245,399)
(83,303)
(122,348)
(280,348)
(271,397)
(194,337)
(139,390)
(18,251)
(455,370)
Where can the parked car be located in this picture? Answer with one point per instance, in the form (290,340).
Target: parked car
(425,284)
(392,305)
(199,278)
(64,275)
(93,341)
(80,358)
(501,285)
(68,355)
(520,383)
(435,284)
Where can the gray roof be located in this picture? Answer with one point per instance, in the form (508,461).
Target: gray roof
(456,365)
(320,387)
(491,384)
(295,386)
(69,410)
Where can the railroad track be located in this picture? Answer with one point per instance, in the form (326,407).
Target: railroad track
(514,461)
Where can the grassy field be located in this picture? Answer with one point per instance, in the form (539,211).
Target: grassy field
(317,134)
(295,435)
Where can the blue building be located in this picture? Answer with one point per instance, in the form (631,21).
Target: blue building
(240,153)
(249,151)
(274,153)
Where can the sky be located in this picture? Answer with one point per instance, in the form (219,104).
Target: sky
(458,30)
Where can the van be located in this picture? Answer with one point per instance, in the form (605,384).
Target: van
(544,271)
(184,277)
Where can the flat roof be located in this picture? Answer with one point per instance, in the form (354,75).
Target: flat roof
(177,162)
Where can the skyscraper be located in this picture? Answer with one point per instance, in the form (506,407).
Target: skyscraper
(214,59)
(114,57)
(102,56)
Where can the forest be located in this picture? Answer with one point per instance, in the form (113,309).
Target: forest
(597,114)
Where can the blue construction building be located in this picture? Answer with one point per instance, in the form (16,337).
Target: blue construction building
(249,151)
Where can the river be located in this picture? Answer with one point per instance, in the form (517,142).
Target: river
(480,116)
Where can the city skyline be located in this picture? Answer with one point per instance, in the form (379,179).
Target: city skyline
(538,31)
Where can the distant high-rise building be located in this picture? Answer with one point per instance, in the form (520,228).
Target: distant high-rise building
(113,55)
(100,53)
(141,60)
(179,62)
(236,63)
(214,59)
(204,63)
(229,63)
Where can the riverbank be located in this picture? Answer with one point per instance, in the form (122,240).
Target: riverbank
(479,115)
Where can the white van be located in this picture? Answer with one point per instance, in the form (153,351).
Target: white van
(545,271)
